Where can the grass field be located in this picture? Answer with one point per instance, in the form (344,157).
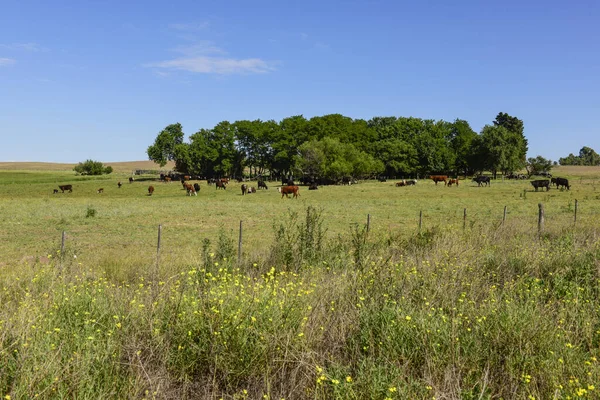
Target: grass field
(317,308)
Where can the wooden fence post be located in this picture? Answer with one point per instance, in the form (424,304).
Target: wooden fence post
(240,245)
(464,219)
(420,220)
(504,216)
(158,250)
(368,222)
(540,218)
(62,244)
(575,218)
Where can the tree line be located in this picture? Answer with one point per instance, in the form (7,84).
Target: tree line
(587,156)
(334,146)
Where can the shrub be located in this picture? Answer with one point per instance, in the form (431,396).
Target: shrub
(91,167)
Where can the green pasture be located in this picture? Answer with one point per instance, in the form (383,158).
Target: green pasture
(125,221)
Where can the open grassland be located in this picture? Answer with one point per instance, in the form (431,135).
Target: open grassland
(316,308)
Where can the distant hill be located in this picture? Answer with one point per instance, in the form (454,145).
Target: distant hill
(118,167)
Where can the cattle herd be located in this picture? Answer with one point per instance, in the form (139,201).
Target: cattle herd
(288,187)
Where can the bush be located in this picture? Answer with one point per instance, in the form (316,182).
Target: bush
(91,167)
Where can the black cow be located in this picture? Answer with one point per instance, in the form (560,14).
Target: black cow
(244,189)
(313,186)
(482,179)
(410,182)
(560,182)
(66,187)
(196,187)
(262,184)
(541,183)
(130,179)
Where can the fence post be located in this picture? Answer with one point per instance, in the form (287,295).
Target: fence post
(504,216)
(240,245)
(368,222)
(420,220)
(540,218)
(575,219)
(464,218)
(62,244)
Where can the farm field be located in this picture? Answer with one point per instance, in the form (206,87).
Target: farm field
(317,308)
(126,220)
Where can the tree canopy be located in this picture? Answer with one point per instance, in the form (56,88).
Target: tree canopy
(91,167)
(587,156)
(334,145)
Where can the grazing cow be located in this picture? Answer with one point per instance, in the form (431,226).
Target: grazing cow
(119,185)
(150,190)
(313,186)
(541,183)
(101,190)
(66,187)
(187,177)
(225,180)
(401,183)
(190,189)
(244,189)
(286,190)
(346,180)
(55,191)
(439,178)
(452,182)
(130,179)
(197,187)
(167,179)
(411,182)
(482,179)
(262,184)
(252,189)
(560,182)
(211,181)
(220,184)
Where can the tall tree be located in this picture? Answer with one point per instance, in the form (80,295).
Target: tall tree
(516,126)
(538,164)
(461,141)
(163,149)
(501,149)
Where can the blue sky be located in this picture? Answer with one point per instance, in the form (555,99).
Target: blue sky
(100,79)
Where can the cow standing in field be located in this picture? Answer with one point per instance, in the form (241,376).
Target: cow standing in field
(560,182)
(55,191)
(244,189)
(190,189)
(150,190)
(167,179)
(452,182)
(119,184)
(541,183)
(130,179)
(252,189)
(66,187)
(482,180)
(262,184)
(439,178)
(101,190)
(197,187)
(220,184)
(286,190)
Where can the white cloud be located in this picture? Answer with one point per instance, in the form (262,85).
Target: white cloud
(216,65)
(7,61)
(31,47)
(190,27)
(199,48)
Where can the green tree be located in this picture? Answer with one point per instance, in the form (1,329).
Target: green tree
(500,149)
(461,143)
(516,126)
(163,149)
(538,164)
(91,167)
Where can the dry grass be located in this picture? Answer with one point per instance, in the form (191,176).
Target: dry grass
(118,167)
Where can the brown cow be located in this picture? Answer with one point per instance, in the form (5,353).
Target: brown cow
(101,190)
(452,182)
(187,177)
(286,190)
(221,184)
(244,189)
(401,183)
(119,185)
(167,179)
(252,189)
(439,178)
(190,189)
(150,190)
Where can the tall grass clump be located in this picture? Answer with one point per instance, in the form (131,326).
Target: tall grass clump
(481,313)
